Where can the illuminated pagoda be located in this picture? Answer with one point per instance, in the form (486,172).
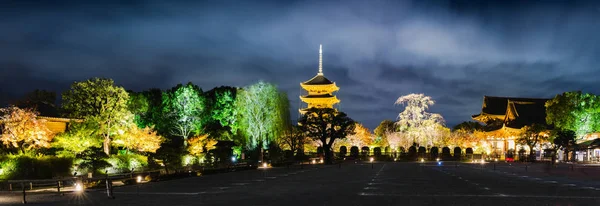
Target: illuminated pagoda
(319,89)
(504,117)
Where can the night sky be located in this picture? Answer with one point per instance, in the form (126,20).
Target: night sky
(376,51)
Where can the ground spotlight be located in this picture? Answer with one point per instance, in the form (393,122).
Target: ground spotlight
(422,160)
(439,163)
(265,165)
(139,179)
(314,162)
(372,159)
(78,187)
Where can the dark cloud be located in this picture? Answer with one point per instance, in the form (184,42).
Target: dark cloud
(454,51)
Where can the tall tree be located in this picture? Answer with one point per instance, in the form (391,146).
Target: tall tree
(22,130)
(384,128)
(326,125)
(259,114)
(98,100)
(563,139)
(575,111)
(184,106)
(221,106)
(139,105)
(418,124)
(292,138)
(139,139)
(532,135)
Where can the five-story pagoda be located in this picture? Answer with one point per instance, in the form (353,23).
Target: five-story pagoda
(320,89)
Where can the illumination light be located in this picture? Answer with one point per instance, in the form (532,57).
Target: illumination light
(321,161)
(139,178)
(422,160)
(371,160)
(437,159)
(314,161)
(495,159)
(439,163)
(233,159)
(78,187)
(265,165)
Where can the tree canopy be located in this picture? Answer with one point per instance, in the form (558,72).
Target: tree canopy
(326,125)
(575,111)
(22,130)
(183,107)
(100,101)
(259,112)
(418,124)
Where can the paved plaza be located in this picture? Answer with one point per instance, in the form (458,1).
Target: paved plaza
(383,183)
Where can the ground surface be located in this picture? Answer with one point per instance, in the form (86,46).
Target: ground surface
(357,184)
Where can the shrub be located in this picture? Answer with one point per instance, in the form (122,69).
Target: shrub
(319,151)
(469,151)
(412,152)
(364,151)
(377,151)
(457,153)
(446,152)
(354,151)
(422,151)
(343,151)
(124,163)
(30,167)
(434,152)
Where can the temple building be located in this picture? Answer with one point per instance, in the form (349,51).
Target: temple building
(319,90)
(504,117)
(56,124)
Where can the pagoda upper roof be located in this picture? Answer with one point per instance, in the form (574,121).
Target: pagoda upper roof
(318,96)
(319,79)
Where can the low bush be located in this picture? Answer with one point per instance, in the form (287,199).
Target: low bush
(354,151)
(377,151)
(434,151)
(343,151)
(123,163)
(34,167)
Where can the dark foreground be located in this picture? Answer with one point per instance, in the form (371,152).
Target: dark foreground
(352,184)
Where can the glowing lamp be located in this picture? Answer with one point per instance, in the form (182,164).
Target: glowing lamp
(139,178)
(495,159)
(422,160)
(265,165)
(437,159)
(233,159)
(321,161)
(439,163)
(371,160)
(78,187)
(314,161)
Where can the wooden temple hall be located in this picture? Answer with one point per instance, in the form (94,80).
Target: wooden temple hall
(504,117)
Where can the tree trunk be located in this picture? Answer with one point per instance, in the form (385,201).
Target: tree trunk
(531,157)
(106,145)
(327,154)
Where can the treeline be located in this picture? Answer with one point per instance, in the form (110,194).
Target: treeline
(116,129)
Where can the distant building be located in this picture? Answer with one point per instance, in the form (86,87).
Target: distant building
(57,124)
(505,116)
(319,90)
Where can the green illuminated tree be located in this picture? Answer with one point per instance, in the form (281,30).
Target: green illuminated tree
(258,111)
(326,125)
(418,124)
(139,105)
(221,122)
(575,111)
(100,101)
(78,138)
(384,128)
(184,107)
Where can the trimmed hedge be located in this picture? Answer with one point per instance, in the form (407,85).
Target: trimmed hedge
(29,167)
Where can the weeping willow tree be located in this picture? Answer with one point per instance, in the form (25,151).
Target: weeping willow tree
(262,114)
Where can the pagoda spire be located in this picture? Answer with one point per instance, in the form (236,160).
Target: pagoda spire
(320,59)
